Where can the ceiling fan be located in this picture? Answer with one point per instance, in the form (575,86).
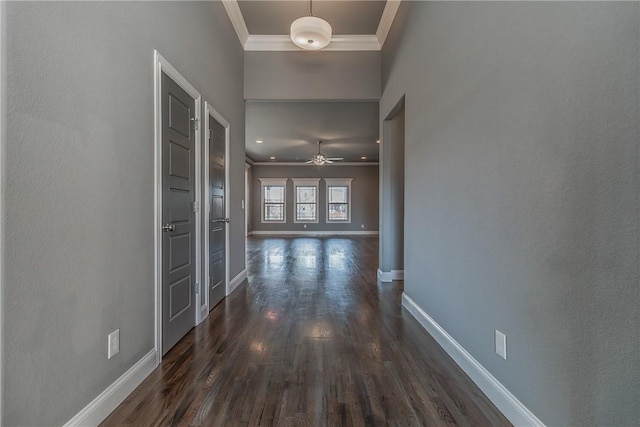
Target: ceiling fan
(320,159)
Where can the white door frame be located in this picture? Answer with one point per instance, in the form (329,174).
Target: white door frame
(210,111)
(162,65)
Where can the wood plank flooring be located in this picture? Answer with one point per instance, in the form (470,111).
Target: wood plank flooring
(310,340)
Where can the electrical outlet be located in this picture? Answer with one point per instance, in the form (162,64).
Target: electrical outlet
(114,344)
(501,344)
(305,226)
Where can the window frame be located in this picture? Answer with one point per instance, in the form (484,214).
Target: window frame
(339,182)
(306,182)
(273,182)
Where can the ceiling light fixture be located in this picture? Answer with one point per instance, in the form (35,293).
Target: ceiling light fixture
(272,158)
(259,141)
(310,32)
(363,158)
(320,159)
(378,142)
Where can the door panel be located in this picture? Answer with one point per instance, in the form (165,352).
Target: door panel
(217,207)
(217,240)
(217,222)
(180,297)
(178,195)
(179,115)
(179,251)
(180,206)
(179,160)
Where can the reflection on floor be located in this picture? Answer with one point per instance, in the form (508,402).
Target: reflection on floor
(310,340)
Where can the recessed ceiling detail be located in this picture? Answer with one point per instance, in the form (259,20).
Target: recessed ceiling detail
(263,25)
(290,130)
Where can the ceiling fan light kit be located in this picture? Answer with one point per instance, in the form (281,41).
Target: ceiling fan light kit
(310,32)
(320,159)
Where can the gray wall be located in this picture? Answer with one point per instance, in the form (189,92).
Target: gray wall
(79,203)
(364,197)
(3,134)
(522,205)
(312,75)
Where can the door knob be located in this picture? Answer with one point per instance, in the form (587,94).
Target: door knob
(227,220)
(168,227)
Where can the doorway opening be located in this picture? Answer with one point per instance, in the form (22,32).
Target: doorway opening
(391,249)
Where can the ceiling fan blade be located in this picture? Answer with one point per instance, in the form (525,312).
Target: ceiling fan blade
(335,158)
(310,161)
(328,161)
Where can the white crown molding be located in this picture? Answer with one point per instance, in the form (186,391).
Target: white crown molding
(311,164)
(355,42)
(313,233)
(277,43)
(388,15)
(237,20)
(270,43)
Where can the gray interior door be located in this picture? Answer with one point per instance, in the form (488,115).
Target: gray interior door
(218,221)
(178,217)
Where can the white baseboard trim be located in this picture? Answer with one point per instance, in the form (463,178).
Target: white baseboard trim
(504,400)
(315,233)
(100,407)
(390,276)
(204,312)
(233,284)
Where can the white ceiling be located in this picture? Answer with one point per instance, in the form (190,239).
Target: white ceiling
(289,130)
(357,24)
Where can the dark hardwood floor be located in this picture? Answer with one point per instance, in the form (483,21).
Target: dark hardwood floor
(310,340)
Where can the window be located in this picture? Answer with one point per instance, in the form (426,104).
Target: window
(339,200)
(274,192)
(306,195)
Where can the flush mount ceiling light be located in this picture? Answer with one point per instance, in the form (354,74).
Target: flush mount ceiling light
(310,32)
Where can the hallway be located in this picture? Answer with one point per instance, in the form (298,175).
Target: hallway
(310,340)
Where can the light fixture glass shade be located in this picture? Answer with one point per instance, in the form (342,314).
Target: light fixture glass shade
(319,159)
(310,32)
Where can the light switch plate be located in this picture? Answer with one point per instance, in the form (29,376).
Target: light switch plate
(501,344)
(113,347)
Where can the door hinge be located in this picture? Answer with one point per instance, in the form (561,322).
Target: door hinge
(196,288)
(194,122)
(195,207)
